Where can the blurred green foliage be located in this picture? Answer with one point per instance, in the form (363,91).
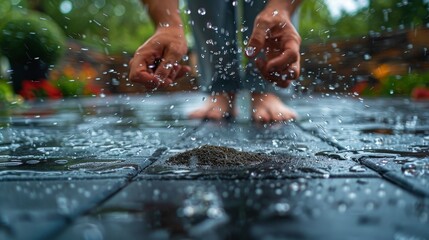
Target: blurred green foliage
(30,35)
(397,85)
(110,26)
(7,97)
(318,24)
(114,26)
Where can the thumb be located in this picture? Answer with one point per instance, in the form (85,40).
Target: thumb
(256,42)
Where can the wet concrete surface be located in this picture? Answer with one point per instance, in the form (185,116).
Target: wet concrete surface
(348,168)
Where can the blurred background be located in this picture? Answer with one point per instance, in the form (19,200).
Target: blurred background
(370,48)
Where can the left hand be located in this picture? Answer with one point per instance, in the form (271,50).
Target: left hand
(274,34)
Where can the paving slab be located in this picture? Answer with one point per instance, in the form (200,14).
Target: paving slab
(258,209)
(39,209)
(293,153)
(96,138)
(347,168)
(352,124)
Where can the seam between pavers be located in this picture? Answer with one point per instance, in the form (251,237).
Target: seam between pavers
(320,136)
(393,177)
(70,219)
(159,152)
(128,180)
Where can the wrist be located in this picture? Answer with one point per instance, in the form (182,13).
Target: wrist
(169,22)
(176,30)
(285,6)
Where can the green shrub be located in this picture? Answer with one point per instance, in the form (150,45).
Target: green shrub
(32,36)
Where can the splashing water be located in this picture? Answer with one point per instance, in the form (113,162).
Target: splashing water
(202,11)
(416,168)
(249,51)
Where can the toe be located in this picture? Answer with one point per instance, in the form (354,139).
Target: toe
(261,115)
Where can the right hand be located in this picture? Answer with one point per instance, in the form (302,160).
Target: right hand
(275,34)
(156,63)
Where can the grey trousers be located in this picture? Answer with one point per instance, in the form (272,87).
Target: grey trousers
(217,25)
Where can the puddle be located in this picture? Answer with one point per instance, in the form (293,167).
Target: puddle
(43,164)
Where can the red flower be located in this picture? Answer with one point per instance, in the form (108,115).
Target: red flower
(41,89)
(420,93)
(360,87)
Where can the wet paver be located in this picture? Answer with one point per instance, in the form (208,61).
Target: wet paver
(38,209)
(348,168)
(267,209)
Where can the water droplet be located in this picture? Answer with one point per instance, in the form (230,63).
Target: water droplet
(275,13)
(61,162)
(367,56)
(202,11)
(10,164)
(275,143)
(249,51)
(357,168)
(281,208)
(415,169)
(32,162)
(168,66)
(342,207)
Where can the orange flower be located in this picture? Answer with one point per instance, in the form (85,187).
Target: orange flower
(69,71)
(88,72)
(382,71)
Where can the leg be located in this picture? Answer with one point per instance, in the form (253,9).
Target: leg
(216,45)
(266,105)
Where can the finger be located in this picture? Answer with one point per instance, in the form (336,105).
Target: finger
(257,39)
(164,69)
(183,71)
(171,57)
(136,66)
(174,72)
(287,57)
(294,70)
(148,80)
(167,82)
(280,79)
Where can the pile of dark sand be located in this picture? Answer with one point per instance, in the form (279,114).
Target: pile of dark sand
(208,155)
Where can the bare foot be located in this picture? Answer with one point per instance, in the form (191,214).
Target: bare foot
(267,107)
(216,107)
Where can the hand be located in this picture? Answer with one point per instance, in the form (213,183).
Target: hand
(156,63)
(277,38)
